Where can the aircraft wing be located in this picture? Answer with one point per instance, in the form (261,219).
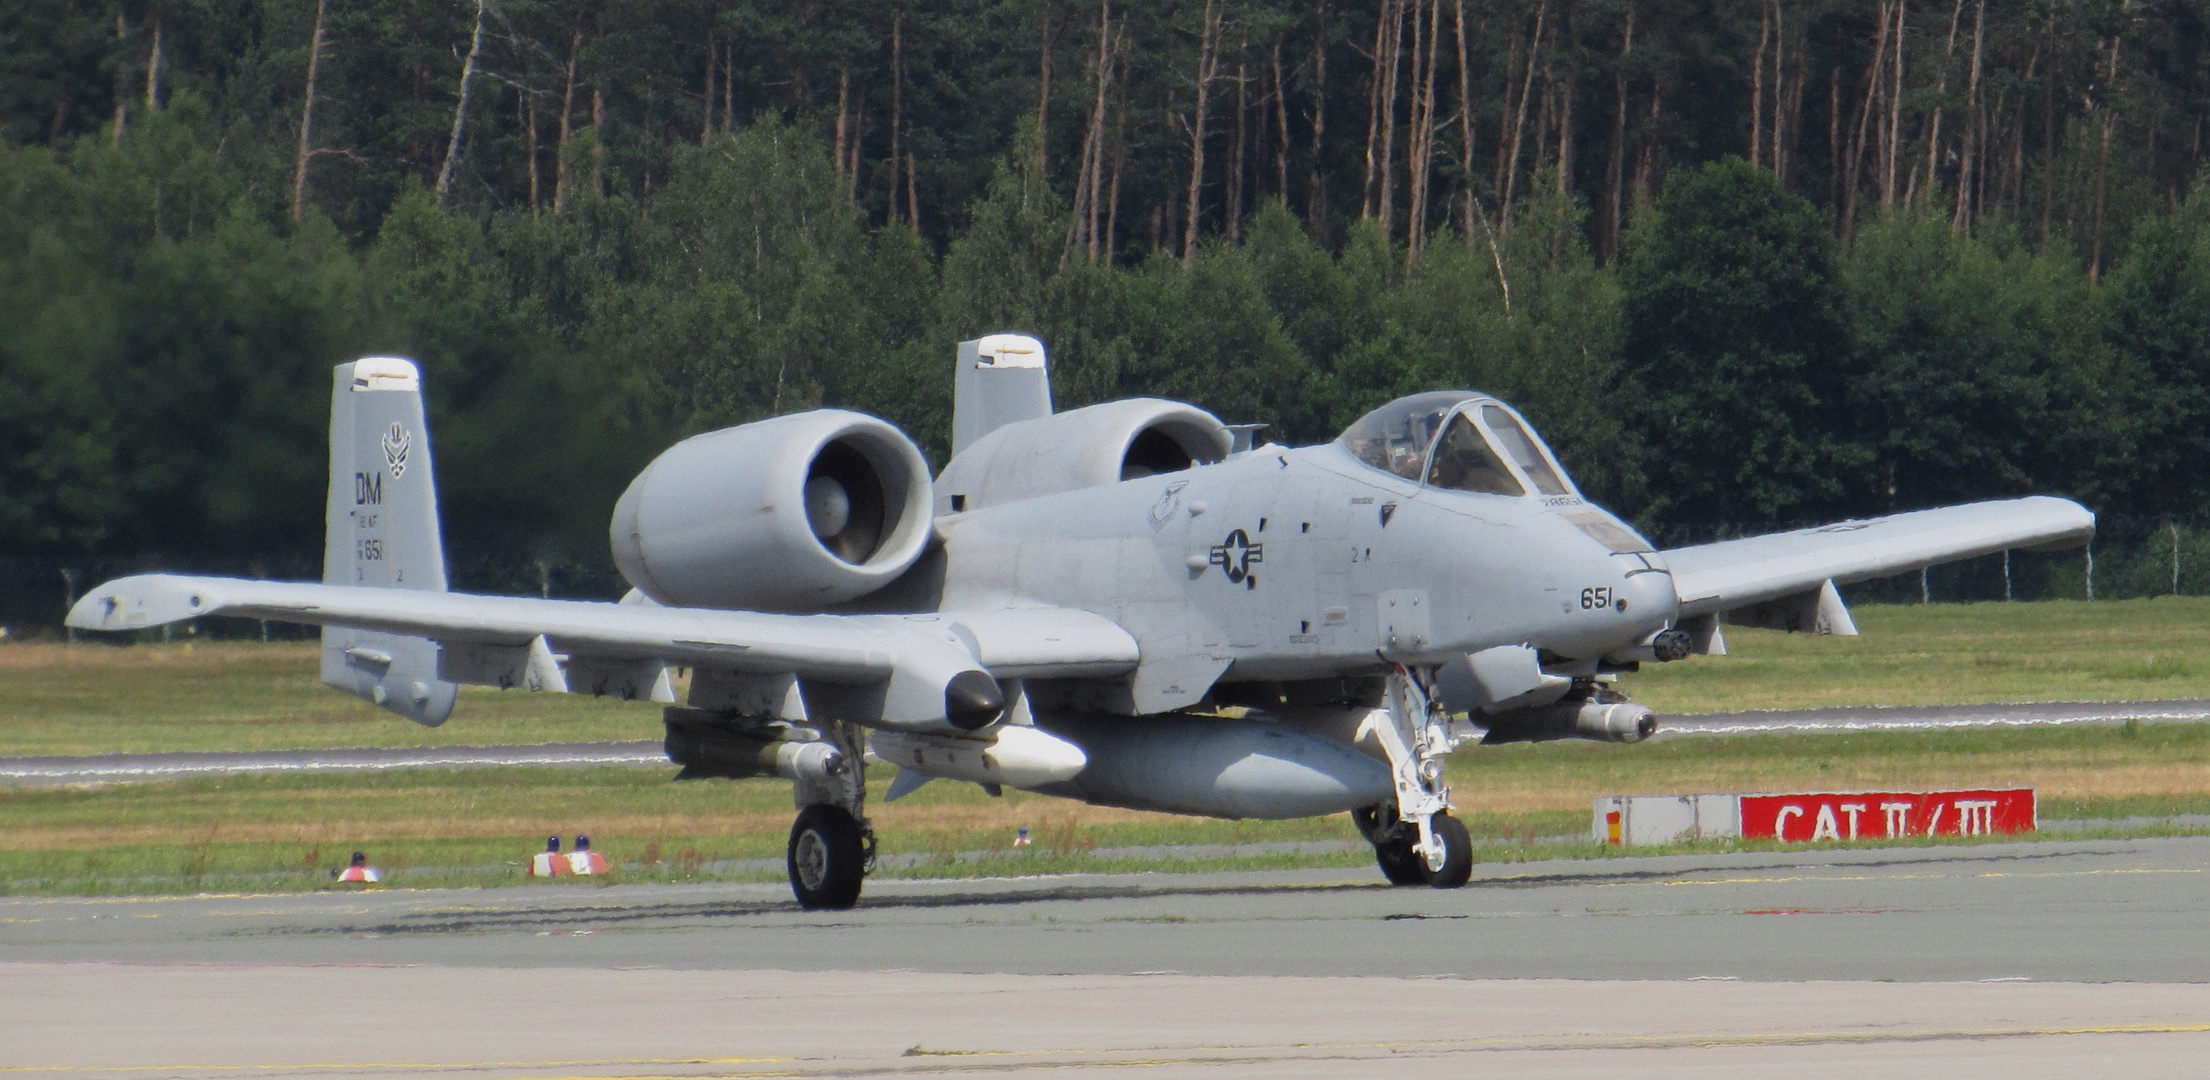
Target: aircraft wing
(932,647)
(1734,574)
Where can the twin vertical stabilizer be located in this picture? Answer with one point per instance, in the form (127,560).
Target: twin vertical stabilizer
(1001,380)
(382,532)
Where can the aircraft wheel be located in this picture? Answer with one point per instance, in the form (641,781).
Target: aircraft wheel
(1457,868)
(1392,846)
(1400,864)
(827,858)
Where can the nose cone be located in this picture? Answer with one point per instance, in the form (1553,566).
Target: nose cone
(1648,593)
(972,700)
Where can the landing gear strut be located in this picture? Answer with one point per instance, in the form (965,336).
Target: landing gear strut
(1415,839)
(832,846)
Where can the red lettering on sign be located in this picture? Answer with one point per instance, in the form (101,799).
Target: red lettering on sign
(1887,815)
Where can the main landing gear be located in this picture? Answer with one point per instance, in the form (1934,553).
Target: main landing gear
(1415,839)
(832,846)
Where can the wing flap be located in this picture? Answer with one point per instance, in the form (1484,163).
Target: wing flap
(1737,573)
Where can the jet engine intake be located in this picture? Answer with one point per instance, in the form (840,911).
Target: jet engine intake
(1086,447)
(1601,721)
(790,514)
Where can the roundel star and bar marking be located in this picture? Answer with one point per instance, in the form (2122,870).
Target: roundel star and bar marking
(1235,555)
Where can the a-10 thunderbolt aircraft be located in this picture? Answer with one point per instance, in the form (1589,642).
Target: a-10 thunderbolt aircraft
(1130,604)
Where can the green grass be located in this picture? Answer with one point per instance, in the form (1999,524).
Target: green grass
(98,699)
(1953,654)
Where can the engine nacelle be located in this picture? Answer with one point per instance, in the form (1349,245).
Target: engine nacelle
(790,514)
(1086,447)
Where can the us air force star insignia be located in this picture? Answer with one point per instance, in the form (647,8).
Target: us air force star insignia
(396,443)
(1235,556)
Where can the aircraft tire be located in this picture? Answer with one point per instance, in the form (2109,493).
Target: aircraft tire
(1400,864)
(1457,868)
(1392,847)
(827,859)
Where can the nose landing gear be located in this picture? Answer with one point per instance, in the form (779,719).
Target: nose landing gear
(1415,839)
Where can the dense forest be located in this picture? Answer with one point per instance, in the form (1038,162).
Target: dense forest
(1745,264)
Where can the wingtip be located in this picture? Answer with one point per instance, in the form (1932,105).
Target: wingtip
(142,601)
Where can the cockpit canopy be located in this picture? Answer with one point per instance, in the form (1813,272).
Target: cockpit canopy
(1456,439)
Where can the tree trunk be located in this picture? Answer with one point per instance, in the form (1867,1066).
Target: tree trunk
(1566,91)
(706,97)
(122,81)
(1235,160)
(1373,113)
(1973,136)
(153,63)
(1519,125)
(561,192)
(1107,48)
(1757,86)
(1780,91)
(897,106)
(526,111)
(1207,63)
(1615,179)
(913,191)
(460,109)
(1941,91)
(598,140)
(307,117)
(1428,124)
(1316,191)
(729,86)
(1864,117)
(1112,199)
(1421,129)
(843,115)
(1386,204)
(1834,171)
(1043,90)
(1082,223)
(1895,113)
(2109,106)
(1465,117)
(1281,121)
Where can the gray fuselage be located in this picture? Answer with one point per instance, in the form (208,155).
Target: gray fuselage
(1308,563)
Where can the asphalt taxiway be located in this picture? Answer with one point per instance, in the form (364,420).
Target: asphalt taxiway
(2051,958)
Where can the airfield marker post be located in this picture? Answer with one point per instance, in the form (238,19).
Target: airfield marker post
(69,598)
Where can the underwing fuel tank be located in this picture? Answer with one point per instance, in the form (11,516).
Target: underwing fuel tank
(1216,767)
(1015,756)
